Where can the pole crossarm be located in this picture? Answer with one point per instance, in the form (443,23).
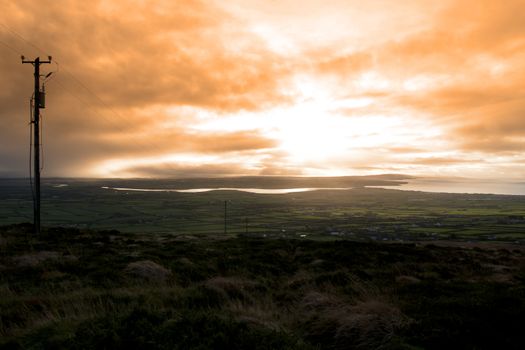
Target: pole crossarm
(49,58)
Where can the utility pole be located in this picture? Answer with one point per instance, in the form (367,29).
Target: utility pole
(38,103)
(225,215)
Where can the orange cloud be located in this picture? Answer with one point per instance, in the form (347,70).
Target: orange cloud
(440,80)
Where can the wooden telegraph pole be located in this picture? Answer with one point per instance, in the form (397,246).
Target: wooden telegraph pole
(39,102)
(225,216)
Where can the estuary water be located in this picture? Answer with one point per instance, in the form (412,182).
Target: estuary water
(456,185)
(460,185)
(250,190)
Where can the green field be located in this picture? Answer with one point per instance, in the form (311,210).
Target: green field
(359,213)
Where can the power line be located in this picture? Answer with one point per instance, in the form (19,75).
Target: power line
(113,112)
(10,47)
(73,77)
(78,81)
(88,105)
(14,32)
(105,105)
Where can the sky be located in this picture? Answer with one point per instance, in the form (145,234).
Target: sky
(163,88)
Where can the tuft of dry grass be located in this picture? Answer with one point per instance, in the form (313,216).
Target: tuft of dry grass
(35,259)
(337,323)
(407,280)
(370,324)
(148,270)
(34,311)
(231,288)
(263,313)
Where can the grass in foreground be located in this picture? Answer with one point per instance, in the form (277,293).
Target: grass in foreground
(104,289)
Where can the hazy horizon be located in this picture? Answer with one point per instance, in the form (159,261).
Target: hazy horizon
(399,176)
(286,184)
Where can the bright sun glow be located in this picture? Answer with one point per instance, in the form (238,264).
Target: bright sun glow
(320,133)
(316,129)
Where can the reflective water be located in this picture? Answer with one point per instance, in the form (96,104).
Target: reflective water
(251,190)
(464,186)
(419,184)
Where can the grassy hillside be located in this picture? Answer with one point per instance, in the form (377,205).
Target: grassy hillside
(83,289)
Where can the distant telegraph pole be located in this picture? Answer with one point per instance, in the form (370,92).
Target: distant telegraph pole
(225,216)
(39,102)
